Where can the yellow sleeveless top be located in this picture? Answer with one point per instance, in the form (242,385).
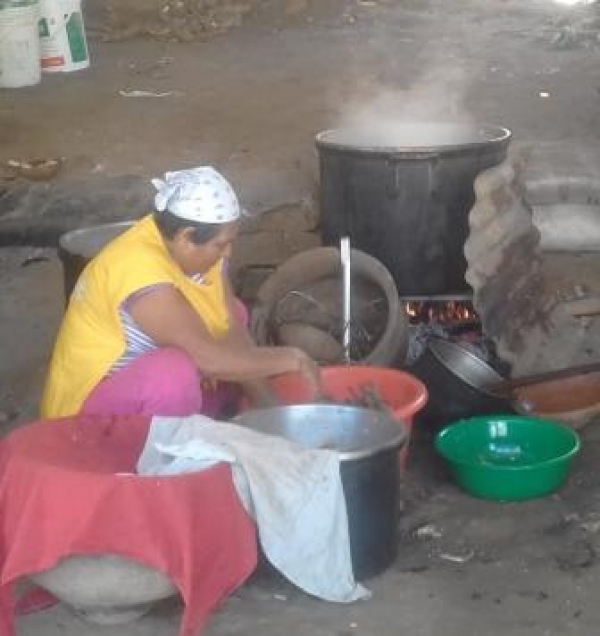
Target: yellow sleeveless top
(91,338)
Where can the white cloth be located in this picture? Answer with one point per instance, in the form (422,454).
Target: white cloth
(199,194)
(295,495)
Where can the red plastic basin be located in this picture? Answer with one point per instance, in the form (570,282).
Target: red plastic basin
(404,394)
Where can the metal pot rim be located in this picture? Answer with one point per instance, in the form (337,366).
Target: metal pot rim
(397,438)
(443,351)
(65,241)
(497,135)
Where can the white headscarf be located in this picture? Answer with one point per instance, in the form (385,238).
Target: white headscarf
(199,194)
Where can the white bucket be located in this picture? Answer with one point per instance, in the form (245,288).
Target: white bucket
(62,35)
(19,43)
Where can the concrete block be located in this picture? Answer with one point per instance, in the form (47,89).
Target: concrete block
(261,190)
(38,213)
(248,280)
(299,217)
(258,249)
(265,249)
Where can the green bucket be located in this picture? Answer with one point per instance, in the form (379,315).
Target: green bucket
(508,458)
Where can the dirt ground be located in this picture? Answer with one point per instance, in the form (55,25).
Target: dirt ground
(251,102)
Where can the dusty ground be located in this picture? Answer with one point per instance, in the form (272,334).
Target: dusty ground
(257,97)
(251,103)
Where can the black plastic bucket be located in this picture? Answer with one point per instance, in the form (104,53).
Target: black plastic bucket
(404,197)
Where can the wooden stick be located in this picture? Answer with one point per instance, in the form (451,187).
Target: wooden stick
(508,385)
(589,306)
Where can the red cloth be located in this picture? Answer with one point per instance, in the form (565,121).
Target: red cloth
(60,496)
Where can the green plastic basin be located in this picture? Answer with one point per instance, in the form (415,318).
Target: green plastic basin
(508,458)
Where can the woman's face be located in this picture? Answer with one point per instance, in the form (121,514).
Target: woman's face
(198,259)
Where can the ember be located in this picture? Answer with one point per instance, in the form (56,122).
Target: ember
(441,311)
(451,318)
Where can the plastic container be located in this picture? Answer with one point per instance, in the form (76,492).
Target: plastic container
(19,43)
(508,458)
(403,195)
(368,444)
(62,34)
(404,394)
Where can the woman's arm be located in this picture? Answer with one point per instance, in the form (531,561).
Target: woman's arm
(238,329)
(258,390)
(166,316)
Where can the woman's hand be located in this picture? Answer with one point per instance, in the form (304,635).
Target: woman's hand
(308,368)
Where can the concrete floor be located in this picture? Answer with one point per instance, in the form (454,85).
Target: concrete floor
(252,101)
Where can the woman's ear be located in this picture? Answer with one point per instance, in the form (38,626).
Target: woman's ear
(185,236)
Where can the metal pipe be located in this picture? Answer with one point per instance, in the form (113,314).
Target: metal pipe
(346,270)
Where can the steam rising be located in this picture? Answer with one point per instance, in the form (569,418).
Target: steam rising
(431,112)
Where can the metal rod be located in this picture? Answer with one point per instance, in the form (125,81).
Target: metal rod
(345,256)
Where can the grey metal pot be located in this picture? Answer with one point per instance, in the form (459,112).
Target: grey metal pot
(369,442)
(78,247)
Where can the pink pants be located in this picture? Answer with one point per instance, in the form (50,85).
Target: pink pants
(163,382)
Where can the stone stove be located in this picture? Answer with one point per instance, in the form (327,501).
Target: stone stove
(523,308)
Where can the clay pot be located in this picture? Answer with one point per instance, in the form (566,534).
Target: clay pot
(318,272)
(574,401)
(320,345)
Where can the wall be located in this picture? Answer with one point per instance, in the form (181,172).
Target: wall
(190,20)
(183,20)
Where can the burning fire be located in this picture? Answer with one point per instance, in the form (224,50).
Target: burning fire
(442,312)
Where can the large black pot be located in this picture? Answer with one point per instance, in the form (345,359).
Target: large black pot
(368,442)
(456,380)
(404,195)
